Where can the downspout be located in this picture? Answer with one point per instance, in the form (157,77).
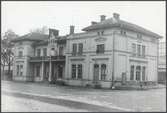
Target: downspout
(112,85)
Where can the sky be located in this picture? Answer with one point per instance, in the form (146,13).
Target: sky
(23,16)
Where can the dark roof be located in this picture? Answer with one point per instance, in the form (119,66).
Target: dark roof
(60,39)
(108,23)
(31,37)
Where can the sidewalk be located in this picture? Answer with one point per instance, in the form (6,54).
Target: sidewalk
(133,100)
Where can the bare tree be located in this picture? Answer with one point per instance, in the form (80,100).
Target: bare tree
(7,49)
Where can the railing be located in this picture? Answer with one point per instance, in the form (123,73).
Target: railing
(46,58)
(57,57)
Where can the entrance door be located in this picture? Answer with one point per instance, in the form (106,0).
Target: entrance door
(60,71)
(96,73)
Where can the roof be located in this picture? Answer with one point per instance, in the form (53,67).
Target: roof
(31,37)
(111,22)
(60,39)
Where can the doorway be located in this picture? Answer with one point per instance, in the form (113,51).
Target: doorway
(60,71)
(96,73)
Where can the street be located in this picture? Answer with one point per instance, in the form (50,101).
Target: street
(41,97)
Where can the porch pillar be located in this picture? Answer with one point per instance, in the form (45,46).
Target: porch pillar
(50,71)
(42,71)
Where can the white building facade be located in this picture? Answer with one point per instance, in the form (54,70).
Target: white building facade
(108,53)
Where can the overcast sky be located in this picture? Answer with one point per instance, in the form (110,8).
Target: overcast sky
(23,16)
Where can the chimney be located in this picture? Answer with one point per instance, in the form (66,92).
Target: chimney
(72,29)
(116,16)
(54,31)
(93,22)
(102,17)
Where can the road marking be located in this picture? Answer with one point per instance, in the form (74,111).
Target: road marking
(80,99)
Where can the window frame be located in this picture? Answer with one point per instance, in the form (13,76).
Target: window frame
(100,49)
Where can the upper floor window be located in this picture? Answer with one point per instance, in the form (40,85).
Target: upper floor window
(134,49)
(100,48)
(74,49)
(143,50)
(38,52)
(60,50)
(80,48)
(44,51)
(20,53)
(139,36)
(123,32)
(138,50)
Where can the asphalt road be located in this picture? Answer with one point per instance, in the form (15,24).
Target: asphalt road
(51,98)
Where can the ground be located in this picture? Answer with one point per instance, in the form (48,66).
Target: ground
(27,97)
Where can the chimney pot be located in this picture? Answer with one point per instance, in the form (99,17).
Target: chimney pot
(72,29)
(102,18)
(116,16)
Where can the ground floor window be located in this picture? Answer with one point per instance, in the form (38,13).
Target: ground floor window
(19,70)
(76,71)
(137,72)
(103,71)
(143,73)
(73,71)
(37,71)
(80,71)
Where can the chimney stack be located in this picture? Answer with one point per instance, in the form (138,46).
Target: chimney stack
(72,29)
(55,32)
(116,16)
(102,18)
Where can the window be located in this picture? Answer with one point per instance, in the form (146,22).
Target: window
(80,48)
(143,73)
(38,52)
(138,50)
(98,33)
(138,72)
(134,49)
(17,69)
(100,48)
(74,49)
(20,53)
(73,71)
(37,71)
(143,51)
(139,36)
(103,71)
(132,72)
(60,50)
(44,51)
(79,71)
(102,32)
(21,70)
(123,32)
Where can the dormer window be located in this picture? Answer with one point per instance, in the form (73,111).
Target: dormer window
(99,33)
(123,32)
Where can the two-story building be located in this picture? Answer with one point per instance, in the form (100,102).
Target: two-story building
(108,53)
(39,57)
(111,52)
